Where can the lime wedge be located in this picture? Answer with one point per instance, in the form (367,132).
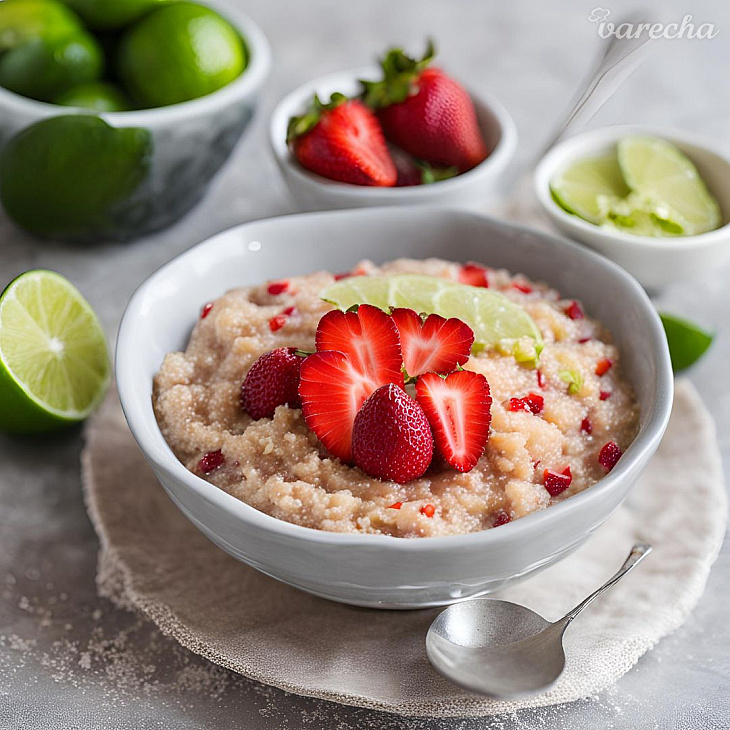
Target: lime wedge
(589,187)
(687,341)
(642,217)
(54,366)
(659,172)
(497,322)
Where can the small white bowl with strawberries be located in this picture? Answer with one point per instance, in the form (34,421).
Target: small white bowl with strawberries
(401,133)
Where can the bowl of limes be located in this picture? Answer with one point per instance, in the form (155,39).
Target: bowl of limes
(115,115)
(655,201)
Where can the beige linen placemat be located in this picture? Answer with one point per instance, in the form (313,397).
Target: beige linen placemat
(155,561)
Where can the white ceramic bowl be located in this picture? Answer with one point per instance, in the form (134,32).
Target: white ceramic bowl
(655,262)
(379,570)
(472,189)
(189,142)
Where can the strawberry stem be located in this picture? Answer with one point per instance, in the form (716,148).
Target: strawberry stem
(400,72)
(304,123)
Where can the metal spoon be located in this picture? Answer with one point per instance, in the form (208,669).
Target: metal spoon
(502,649)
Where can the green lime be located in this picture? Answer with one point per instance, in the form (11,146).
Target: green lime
(41,69)
(661,173)
(179,52)
(72,175)
(54,365)
(101,96)
(497,321)
(112,14)
(639,216)
(23,20)
(687,341)
(589,187)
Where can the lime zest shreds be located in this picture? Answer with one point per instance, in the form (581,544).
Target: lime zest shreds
(54,364)
(497,321)
(687,341)
(574,379)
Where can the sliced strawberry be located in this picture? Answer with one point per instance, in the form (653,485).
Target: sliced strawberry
(391,438)
(609,455)
(435,344)
(368,337)
(357,352)
(343,141)
(474,274)
(532,403)
(458,408)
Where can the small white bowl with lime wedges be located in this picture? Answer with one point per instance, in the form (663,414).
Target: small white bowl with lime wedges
(655,201)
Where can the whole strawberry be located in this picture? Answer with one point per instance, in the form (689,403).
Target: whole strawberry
(342,140)
(391,437)
(426,112)
(272,381)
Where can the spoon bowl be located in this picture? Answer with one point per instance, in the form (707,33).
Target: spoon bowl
(504,650)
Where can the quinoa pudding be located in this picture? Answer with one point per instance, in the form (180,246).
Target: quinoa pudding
(557,426)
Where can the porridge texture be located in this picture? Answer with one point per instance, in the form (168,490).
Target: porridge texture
(278,465)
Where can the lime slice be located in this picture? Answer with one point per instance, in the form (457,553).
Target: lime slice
(587,188)
(659,172)
(54,366)
(497,322)
(642,217)
(179,52)
(687,341)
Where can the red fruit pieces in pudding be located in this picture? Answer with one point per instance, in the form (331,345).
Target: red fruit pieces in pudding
(272,381)
(557,482)
(574,310)
(205,311)
(609,455)
(458,407)
(603,366)
(586,425)
(357,352)
(211,461)
(523,287)
(391,437)
(277,287)
(474,274)
(342,141)
(532,403)
(433,344)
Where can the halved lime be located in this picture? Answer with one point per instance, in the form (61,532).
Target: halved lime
(687,341)
(496,321)
(589,187)
(54,365)
(660,172)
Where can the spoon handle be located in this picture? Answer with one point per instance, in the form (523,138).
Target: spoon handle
(637,554)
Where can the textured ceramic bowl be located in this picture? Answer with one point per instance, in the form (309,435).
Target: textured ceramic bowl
(378,570)
(472,189)
(188,142)
(655,262)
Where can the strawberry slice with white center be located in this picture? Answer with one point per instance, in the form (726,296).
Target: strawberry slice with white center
(368,337)
(435,344)
(357,353)
(458,408)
